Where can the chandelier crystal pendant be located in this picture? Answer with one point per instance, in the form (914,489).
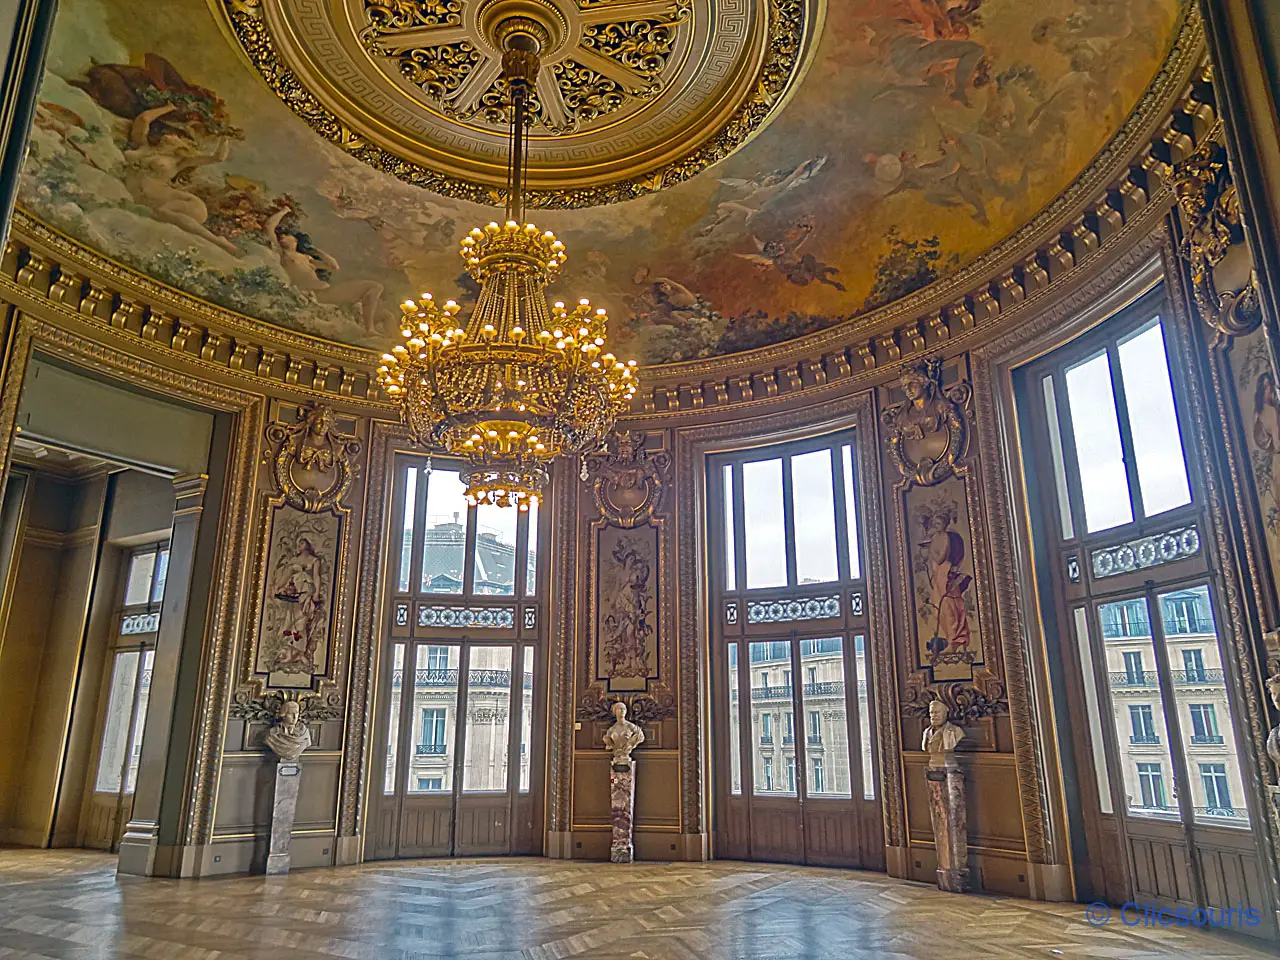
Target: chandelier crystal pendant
(519,383)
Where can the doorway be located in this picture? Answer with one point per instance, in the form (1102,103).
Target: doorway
(796,778)
(460,693)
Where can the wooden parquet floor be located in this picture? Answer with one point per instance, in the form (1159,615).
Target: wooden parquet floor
(71,905)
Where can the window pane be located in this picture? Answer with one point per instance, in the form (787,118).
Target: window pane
(139,721)
(1099,454)
(393,718)
(851,514)
(813,510)
(1055,451)
(1153,422)
(822,699)
(435,700)
(526,719)
(162,573)
(495,566)
(484,763)
(769,701)
(730,558)
(445,540)
(1205,711)
(764,521)
(115,730)
(531,561)
(1132,681)
(406,526)
(1097,744)
(735,732)
(864,717)
(138,586)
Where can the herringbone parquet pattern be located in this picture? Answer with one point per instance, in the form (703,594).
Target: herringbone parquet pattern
(72,906)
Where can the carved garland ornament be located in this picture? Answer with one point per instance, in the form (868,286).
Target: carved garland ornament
(309,448)
(928,433)
(1210,207)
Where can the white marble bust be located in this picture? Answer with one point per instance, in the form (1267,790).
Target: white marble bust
(941,735)
(624,736)
(290,736)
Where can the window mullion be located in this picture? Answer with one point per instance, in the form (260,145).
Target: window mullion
(844,569)
(1070,458)
(1126,434)
(789,520)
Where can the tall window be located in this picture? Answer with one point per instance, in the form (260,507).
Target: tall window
(141,596)
(1125,534)
(787,565)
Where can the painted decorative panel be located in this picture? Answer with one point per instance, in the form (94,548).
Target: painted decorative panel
(944,600)
(297,605)
(627,624)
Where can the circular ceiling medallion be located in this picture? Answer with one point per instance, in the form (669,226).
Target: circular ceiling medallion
(633,95)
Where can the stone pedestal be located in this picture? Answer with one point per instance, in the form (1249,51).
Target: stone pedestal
(283,810)
(622,801)
(950,824)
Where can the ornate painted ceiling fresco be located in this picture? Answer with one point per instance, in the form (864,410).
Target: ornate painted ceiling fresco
(923,132)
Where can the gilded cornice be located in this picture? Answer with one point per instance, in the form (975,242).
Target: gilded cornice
(1088,225)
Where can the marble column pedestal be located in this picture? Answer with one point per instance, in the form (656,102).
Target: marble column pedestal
(283,809)
(950,824)
(622,801)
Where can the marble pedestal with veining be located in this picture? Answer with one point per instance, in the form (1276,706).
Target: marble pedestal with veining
(283,809)
(950,824)
(622,801)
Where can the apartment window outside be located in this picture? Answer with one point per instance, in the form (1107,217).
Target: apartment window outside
(1151,783)
(1193,664)
(1142,724)
(1204,724)
(1217,793)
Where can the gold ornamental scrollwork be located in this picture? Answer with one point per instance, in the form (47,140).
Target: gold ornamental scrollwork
(314,463)
(928,433)
(627,481)
(1210,207)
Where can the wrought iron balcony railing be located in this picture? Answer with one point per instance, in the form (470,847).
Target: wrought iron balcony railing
(449,678)
(1206,739)
(430,749)
(1150,678)
(1144,739)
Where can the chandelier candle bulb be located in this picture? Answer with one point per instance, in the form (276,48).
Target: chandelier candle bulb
(492,391)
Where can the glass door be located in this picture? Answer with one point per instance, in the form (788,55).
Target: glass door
(126,685)
(461,707)
(794,743)
(457,754)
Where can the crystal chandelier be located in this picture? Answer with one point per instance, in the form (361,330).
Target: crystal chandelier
(518,384)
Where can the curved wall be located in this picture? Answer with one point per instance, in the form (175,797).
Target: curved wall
(1102,248)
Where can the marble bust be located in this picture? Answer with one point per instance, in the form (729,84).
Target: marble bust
(290,736)
(941,735)
(1273,739)
(624,736)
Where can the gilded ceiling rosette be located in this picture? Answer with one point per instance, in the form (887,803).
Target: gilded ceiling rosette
(634,95)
